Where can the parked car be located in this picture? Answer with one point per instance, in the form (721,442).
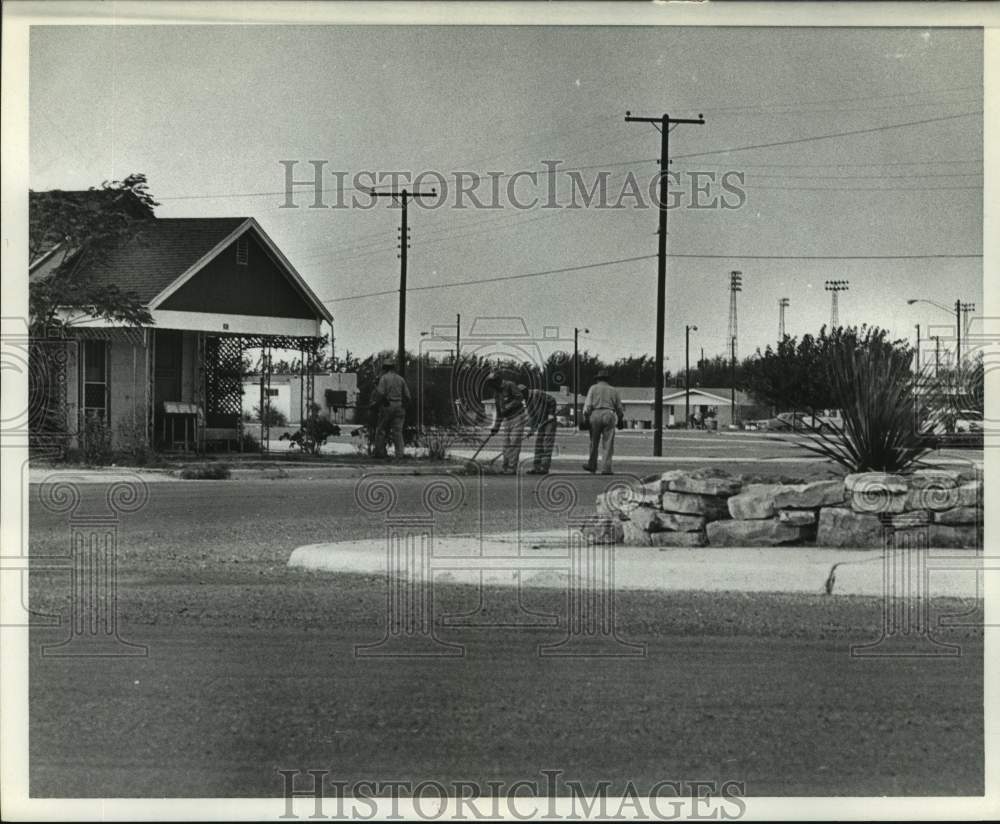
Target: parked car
(969,420)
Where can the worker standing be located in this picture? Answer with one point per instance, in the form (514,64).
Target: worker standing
(509,415)
(604,411)
(390,400)
(541,412)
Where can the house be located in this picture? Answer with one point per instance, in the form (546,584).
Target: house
(335,393)
(215,287)
(704,402)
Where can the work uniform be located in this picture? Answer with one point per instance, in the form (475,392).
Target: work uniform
(541,411)
(509,415)
(604,409)
(391,397)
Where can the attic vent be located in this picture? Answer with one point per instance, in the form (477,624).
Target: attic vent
(242,251)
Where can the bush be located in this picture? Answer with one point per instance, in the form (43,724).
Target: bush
(96,440)
(206,472)
(438,442)
(133,445)
(273,417)
(876,392)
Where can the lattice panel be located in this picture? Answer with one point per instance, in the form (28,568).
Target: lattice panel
(223,377)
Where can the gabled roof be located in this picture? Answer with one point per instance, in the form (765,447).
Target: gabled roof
(645,394)
(165,253)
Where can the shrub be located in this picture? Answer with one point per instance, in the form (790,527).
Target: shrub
(438,441)
(96,440)
(206,472)
(273,417)
(133,443)
(876,392)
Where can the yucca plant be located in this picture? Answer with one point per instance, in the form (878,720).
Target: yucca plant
(878,395)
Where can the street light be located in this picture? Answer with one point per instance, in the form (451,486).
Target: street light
(687,375)
(576,373)
(958,321)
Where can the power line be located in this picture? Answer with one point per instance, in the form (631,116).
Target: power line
(498,279)
(867,188)
(829,136)
(754,175)
(855,99)
(843,165)
(821,257)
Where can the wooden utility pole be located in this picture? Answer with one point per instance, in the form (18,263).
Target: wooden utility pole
(664,124)
(402,197)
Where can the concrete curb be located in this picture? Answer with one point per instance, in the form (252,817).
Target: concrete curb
(540,561)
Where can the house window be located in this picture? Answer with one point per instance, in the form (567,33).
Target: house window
(272,393)
(94,378)
(242,251)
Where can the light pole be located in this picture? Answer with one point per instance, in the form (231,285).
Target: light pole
(937,354)
(918,348)
(834,287)
(783,304)
(687,375)
(958,321)
(576,373)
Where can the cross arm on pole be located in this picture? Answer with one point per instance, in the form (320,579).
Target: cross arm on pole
(700,120)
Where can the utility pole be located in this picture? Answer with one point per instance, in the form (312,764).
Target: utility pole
(458,337)
(958,334)
(403,198)
(834,287)
(918,348)
(664,124)
(732,384)
(576,374)
(687,375)
(735,285)
(782,306)
(937,354)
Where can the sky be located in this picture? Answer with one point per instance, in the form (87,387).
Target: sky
(209,113)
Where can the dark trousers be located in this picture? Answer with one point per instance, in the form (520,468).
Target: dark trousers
(390,422)
(545,442)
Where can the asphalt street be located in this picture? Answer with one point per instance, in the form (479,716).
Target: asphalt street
(251,667)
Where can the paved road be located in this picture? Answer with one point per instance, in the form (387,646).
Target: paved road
(251,667)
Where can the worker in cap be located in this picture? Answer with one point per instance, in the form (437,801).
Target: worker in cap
(508,415)
(604,412)
(540,408)
(389,401)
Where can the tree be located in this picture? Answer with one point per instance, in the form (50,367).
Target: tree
(85,228)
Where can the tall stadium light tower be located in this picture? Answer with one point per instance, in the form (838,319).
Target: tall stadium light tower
(967,308)
(835,287)
(735,285)
(782,306)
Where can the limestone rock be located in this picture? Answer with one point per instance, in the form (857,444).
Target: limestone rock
(675,522)
(678,539)
(754,502)
(770,532)
(709,506)
(934,498)
(604,530)
(958,515)
(655,520)
(810,496)
(971,494)
(964,536)
(842,527)
(797,517)
(634,535)
(646,518)
(876,481)
(722,486)
(938,478)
